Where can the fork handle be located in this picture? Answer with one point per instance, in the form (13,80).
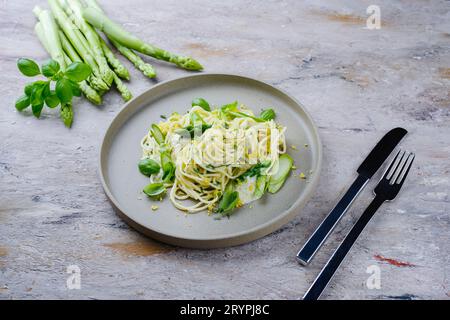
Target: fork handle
(319,236)
(338,256)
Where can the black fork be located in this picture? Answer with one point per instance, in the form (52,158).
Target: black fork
(386,190)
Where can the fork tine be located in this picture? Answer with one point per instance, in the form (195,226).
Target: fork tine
(394,165)
(399,167)
(389,169)
(408,164)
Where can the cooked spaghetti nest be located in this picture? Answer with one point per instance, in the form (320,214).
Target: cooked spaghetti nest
(208,162)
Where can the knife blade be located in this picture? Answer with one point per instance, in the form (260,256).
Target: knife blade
(366,170)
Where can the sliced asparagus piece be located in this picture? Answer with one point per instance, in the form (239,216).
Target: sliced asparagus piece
(146,68)
(117,33)
(74,9)
(284,168)
(89,93)
(79,42)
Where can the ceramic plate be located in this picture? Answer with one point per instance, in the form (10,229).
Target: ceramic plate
(123,183)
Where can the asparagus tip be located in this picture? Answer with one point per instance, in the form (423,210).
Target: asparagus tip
(189,64)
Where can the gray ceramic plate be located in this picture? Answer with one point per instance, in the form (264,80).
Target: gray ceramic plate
(120,152)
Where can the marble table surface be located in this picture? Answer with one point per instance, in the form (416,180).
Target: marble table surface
(357,83)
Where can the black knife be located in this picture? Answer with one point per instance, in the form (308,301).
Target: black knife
(365,171)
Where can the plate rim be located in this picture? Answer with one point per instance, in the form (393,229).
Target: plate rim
(232,239)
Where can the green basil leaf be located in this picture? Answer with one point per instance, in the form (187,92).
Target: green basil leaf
(28,67)
(66,114)
(37,108)
(36,96)
(154,189)
(46,90)
(268,114)
(39,89)
(230,107)
(28,88)
(23,102)
(168,166)
(228,202)
(78,71)
(256,170)
(168,172)
(201,103)
(76,91)
(148,167)
(52,100)
(63,90)
(50,68)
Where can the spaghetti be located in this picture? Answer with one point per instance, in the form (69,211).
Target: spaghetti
(211,151)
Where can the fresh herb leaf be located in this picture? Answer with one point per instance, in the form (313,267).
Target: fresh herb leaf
(230,107)
(148,167)
(23,102)
(28,67)
(52,100)
(228,202)
(76,91)
(201,103)
(154,189)
(256,170)
(63,90)
(78,71)
(39,93)
(50,68)
(37,108)
(168,171)
(45,90)
(36,96)
(28,88)
(268,114)
(168,166)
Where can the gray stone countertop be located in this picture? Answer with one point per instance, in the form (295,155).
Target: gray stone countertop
(356,83)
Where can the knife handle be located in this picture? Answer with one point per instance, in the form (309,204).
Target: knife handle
(316,240)
(338,256)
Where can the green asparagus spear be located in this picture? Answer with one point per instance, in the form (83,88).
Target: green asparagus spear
(115,32)
(90,93)
(53,46)
(73,9)
(115,63)
(78,41)
(50,29)
(123,89)
(146,68)
(73,56)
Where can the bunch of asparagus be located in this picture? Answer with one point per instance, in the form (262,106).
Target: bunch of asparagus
(68,34)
